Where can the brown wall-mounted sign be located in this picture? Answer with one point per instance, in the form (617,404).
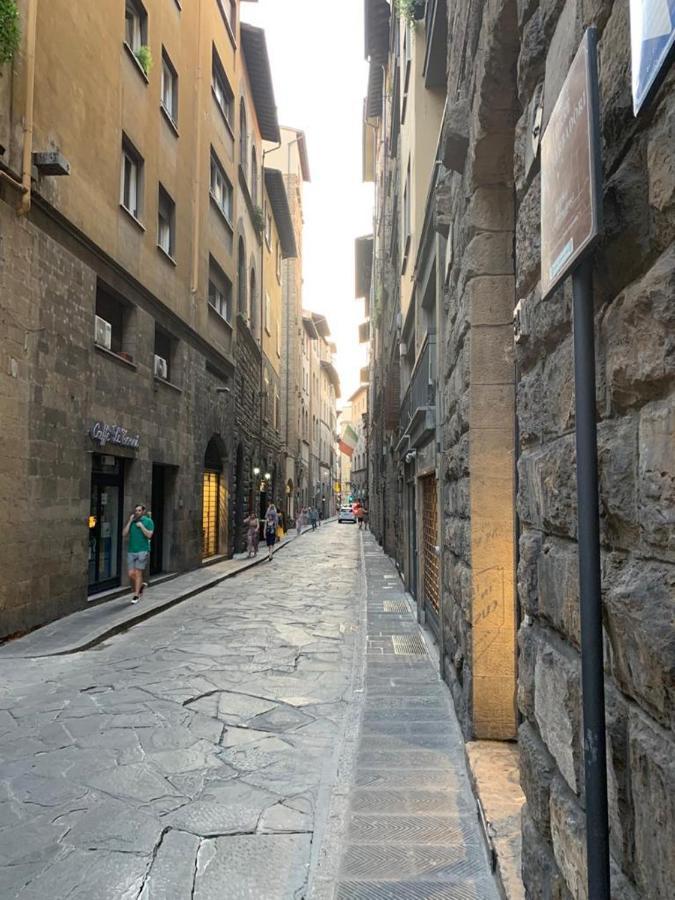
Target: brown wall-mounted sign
(104,434)
(570,176)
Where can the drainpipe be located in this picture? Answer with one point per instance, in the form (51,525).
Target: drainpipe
(26,165)
(262,300)
(196,185)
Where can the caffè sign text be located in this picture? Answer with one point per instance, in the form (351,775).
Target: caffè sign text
(104,434)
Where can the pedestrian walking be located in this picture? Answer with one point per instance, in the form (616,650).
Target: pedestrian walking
(271,523)
(252,534)
(313,518)
(300,520)
(139,529)
(359,512)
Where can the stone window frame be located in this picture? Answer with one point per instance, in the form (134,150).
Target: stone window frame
(220,292)
(169,89)
(221,190)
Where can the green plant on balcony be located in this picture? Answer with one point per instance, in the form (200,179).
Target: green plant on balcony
(406,9)
(9,30)
(144,57)
(258,218)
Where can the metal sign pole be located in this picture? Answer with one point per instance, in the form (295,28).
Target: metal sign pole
(592,669)
(571,209)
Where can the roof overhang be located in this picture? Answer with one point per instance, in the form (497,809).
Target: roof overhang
(333,376)
(321,323)
(375,90)
(254,46)
(301,141)
(310,327)
(276,191)
(376,29)
(363,253)
(357,393)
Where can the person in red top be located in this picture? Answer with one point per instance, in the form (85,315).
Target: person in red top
(359,513)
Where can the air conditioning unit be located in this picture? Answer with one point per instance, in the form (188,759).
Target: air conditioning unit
(161,367)
(103,333)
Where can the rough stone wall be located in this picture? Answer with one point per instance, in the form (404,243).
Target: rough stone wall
(635,317)
(54,384)
(246,388)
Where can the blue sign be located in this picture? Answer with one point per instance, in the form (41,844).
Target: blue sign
(652,36)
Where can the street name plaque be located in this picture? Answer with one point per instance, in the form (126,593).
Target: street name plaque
(652,38)
(570,201)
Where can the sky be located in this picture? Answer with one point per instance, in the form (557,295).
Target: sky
(320,78)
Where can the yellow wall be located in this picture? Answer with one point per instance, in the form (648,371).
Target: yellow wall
(88,90)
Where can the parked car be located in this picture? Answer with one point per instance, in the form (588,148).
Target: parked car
(346,514)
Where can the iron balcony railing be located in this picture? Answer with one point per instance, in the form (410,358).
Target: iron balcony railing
(421,392)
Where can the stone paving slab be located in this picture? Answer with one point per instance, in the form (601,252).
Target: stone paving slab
(87,627)
(410,826)
(192,755)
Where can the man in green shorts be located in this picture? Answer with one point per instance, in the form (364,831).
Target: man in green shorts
(139,529)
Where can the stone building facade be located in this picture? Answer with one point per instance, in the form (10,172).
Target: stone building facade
(140,235)
(509,626)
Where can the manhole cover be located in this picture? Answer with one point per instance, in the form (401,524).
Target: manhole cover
(410,890)
(408,645)
(395,606)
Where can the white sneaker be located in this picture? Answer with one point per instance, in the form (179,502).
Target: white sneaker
(135,598)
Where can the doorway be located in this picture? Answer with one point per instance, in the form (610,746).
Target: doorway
(157,508)
(105,523)
(430,559)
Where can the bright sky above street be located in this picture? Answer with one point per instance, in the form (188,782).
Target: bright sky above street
(319,81)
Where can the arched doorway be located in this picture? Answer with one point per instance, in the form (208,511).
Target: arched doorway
(214,499)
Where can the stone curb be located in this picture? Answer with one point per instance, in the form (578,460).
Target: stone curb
(137,615)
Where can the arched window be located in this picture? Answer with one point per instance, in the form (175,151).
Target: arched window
(254,176)
(253,301)
(241,280)
(243,139)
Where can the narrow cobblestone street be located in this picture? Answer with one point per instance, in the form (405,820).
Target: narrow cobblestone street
(215,750)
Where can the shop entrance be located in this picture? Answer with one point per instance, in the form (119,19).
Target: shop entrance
(214,500)
(430,560)
(105,523)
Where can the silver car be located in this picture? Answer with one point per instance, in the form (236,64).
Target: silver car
(346,514)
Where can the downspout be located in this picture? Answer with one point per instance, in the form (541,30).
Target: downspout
(26,164)
(262,299)
(196,185)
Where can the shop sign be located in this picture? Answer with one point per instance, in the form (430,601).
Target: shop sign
(570,154)
(652,39)
(104,434)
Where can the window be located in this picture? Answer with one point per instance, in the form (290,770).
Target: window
(268,229)
(135,25)
(254,176)
(220,291)
(276,409)
(131,193)
(278,261)
(169,88)
(221,187)
(166,223)
(112,321)
(243,139)
(268,314)
(228,9)
(266,396)
(164,355)
(221,89)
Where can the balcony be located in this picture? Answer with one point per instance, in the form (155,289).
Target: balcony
(418,408)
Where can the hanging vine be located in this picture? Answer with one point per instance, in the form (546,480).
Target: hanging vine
(406,9)
(10,32)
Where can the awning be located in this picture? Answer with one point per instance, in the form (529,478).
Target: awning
(254,46)
(276,191)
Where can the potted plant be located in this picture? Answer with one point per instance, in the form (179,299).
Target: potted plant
(144,56)
(9,30)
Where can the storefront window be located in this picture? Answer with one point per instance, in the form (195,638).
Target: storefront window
(105,522)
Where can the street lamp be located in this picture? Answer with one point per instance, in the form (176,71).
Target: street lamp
(268,477)
(256,470)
